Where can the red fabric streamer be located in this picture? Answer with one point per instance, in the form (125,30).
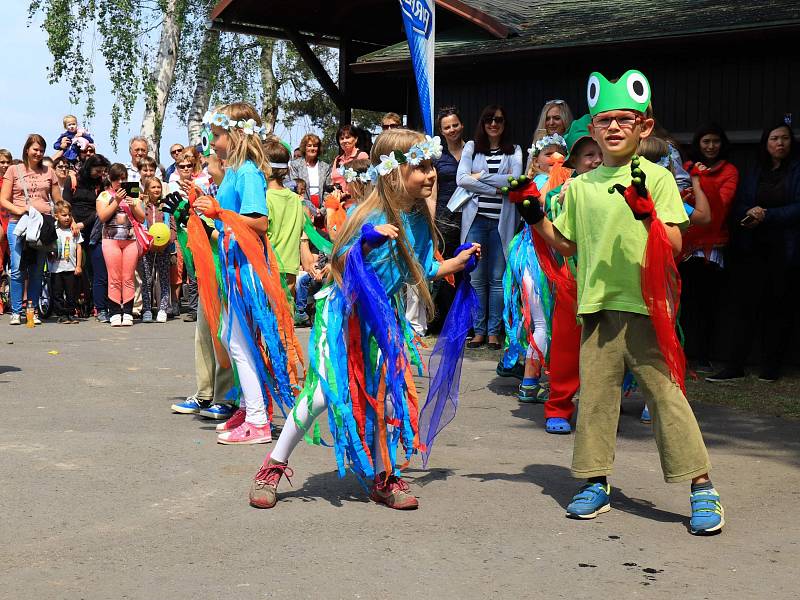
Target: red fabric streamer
(661,290)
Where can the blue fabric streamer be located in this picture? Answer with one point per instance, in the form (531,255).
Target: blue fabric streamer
(445,367)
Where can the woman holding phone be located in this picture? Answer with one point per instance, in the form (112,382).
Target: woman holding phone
(765,254)
(120,248)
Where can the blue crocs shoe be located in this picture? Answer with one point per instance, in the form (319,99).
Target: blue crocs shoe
(646,418)
(218,412)
(593,499)
(190,406)
(708,516)
(558,426)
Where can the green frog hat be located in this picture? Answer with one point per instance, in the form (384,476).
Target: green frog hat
(631,92)
(578,130)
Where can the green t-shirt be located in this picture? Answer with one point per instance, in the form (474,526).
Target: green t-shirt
(610,241)
(285,226)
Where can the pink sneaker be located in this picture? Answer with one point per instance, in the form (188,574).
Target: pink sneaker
(246,433)
(236,419)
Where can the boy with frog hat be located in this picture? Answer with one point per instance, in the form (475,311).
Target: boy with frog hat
(627,300)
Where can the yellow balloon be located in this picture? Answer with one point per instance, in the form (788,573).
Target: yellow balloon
(160,233)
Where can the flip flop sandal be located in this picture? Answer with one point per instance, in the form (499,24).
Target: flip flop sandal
(558,426)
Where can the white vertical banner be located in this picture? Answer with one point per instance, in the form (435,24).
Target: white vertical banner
(419,20)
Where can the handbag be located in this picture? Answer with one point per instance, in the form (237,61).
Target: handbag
(144,241)
(45,237)
(459,198)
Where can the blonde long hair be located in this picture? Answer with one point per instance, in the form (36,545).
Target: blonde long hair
(244,147)
(566,116)
(390,197)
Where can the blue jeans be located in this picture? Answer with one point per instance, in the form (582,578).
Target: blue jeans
(33,272)
(488,277)
(301,292)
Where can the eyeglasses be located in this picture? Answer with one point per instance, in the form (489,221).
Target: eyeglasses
(185,166)
(386,126)
(623,121)
(494,119)
(61,166)
(176,151)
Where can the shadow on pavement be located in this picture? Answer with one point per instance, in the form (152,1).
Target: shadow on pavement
(326,486)
(9,369)
(555,481)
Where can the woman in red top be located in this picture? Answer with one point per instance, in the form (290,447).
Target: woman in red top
(702,268)
(350,139)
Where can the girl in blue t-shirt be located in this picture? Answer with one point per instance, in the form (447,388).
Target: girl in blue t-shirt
(253,311)
(361,349)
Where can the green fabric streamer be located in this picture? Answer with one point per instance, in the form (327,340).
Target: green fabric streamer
(316,238)
(183,239)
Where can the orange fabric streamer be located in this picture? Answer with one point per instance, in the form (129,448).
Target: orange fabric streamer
(336,216)
(451,279)
(558,173)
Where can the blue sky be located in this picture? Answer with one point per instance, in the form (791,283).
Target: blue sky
(28,104)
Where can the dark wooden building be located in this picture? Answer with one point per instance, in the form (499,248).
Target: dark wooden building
(732,62)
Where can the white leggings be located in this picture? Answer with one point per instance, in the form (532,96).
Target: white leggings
(242,357)
(537,316)
(292,434)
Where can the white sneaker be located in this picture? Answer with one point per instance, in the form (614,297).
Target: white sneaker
(127,320)
(14,320)
(36,319)
(116,320)
(161,317)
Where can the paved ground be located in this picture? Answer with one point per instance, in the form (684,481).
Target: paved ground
(106,494)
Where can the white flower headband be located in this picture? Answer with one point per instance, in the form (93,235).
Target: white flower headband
(351,175)
(548,140)
(248,127)
(429,149)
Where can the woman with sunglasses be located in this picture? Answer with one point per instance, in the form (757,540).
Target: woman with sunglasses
(66,177)
(555,117)
(488,218)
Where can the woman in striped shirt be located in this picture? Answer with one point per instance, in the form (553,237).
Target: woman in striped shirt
(488,218)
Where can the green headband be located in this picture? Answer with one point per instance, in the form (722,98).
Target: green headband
(631,92)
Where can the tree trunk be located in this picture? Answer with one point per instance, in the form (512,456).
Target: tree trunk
(161,77)
(269,97)
(206,76)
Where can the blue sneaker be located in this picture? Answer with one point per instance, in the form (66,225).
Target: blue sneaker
(708,516)
(190,406)
(218,412)
(592,499)
(529,394)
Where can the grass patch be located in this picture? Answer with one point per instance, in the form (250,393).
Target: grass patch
(779,399)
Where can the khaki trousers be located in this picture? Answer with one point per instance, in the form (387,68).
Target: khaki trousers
(213,381)
(611,340)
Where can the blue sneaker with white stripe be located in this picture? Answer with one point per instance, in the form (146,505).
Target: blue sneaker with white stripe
(218,412)
(190,406)
(708,516)
(593,499)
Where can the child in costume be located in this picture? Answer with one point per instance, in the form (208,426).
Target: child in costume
(584,156)
(528,295)
(628,290)
(359,366)
(243,298)
(73,140)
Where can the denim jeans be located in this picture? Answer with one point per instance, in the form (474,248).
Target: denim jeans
(301,293)
(33,272)
(488,277)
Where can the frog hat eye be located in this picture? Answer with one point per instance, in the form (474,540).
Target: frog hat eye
(593,90)
(638,87)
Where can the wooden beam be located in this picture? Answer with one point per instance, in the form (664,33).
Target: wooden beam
(272,32)
(317,68)
(475,16)
(345,112)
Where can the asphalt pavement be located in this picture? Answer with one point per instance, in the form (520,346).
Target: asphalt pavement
(107,494)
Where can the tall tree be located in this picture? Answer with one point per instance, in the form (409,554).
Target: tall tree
(204,84)
(269,85)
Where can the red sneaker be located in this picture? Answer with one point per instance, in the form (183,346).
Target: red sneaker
(236,419)
(246,433)
(264,489)
(393,492)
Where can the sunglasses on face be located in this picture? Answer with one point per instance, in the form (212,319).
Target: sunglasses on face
(61,167)
(176,151)
(494,119)
(185,166)
(386,126)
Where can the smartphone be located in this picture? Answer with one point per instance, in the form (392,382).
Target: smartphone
(748,219)
(131,188)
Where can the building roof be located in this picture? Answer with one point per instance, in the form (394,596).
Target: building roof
(575,24)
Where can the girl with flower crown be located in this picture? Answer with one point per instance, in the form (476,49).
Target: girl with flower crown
(248,312)
(527,294)
(360,350)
